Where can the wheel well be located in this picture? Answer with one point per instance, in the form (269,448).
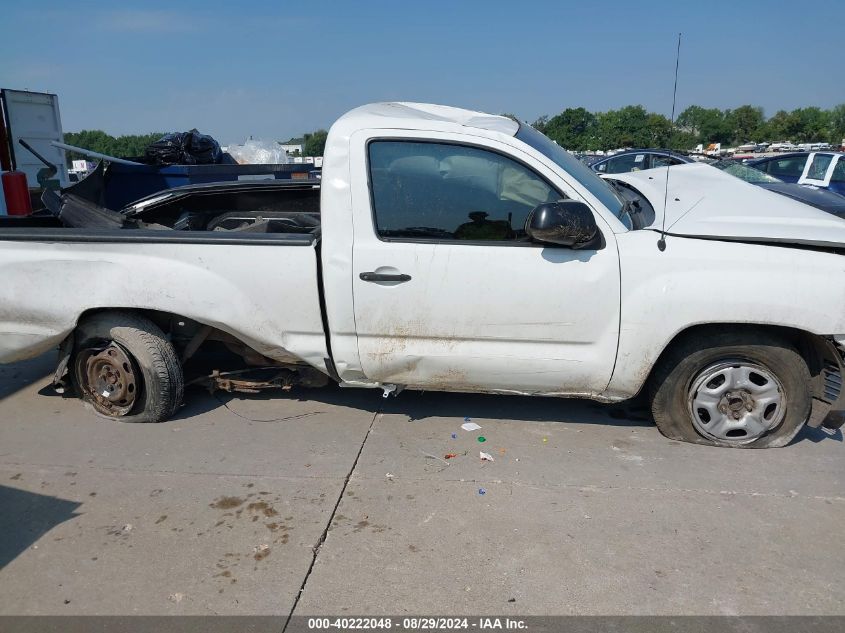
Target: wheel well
(162,319)
(812,347)
(187,336)
(181,330)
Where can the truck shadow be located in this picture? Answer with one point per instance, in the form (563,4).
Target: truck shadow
(817,435)
(420,405)
(18,376)
(27,516)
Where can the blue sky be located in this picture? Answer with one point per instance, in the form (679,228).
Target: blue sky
(276,69)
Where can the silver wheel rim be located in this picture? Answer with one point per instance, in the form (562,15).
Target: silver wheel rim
(736,401)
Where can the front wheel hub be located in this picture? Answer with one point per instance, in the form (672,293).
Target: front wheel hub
(736,401)
(108,377)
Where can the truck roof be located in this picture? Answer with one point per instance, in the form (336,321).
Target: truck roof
(422,116)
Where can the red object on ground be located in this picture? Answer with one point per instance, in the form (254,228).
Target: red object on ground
(16,192)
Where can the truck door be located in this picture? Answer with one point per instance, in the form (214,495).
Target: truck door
(448,291)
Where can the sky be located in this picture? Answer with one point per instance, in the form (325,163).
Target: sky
(273,70)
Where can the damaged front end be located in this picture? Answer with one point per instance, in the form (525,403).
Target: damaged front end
(828,405)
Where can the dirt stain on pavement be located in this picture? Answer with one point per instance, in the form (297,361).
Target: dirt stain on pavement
(262,507)
(226,503)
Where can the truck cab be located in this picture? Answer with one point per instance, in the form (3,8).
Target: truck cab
(447,288)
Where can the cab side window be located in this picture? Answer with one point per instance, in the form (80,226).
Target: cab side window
(450,192)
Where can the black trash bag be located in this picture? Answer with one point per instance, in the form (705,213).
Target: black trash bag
(184,148)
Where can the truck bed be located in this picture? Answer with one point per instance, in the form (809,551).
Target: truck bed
(246,264)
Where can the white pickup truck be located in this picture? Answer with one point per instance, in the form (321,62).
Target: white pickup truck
(457,251)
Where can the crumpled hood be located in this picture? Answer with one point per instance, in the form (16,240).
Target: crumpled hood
(706,202)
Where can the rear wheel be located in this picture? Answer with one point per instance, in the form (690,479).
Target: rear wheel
(743,390)
(125,368)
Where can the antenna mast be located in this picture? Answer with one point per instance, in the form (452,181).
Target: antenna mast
(661,243)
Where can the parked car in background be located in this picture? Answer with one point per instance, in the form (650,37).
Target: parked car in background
(637,160)
(786,167)
(823,199)
(821,169)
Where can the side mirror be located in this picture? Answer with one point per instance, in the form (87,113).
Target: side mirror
(566,223)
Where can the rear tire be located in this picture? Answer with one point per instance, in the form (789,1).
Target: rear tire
(125,368)
(740,390)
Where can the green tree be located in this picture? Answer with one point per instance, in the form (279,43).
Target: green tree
(810,124)
(541,123)
(837,125)
(659,130)
(315,143)
(746,123)
(127,146)
(778,127)
(574,128)
(682,140)
(708,125)
(626,127)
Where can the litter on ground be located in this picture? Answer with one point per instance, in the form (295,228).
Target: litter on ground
(470,426)
(486,457)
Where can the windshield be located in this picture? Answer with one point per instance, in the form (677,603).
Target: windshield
(744,172)
(572,166)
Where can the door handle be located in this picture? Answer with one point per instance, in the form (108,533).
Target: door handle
(371,276)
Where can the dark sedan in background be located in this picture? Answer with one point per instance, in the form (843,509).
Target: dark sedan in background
(820,169)
(637,159)
(823,199)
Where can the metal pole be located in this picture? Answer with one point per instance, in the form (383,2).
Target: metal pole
(89,153)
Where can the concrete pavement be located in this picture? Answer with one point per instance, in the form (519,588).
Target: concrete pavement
(339,502)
